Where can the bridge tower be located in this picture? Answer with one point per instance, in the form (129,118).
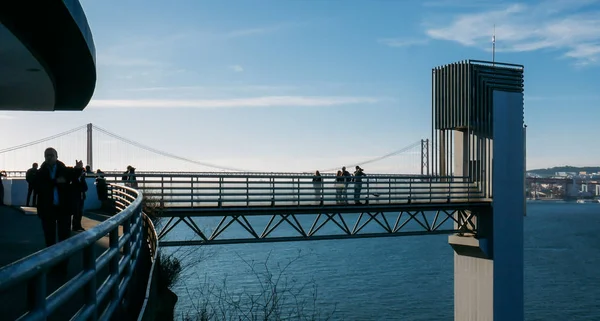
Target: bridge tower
(89,149)
(425,157)
(478,134)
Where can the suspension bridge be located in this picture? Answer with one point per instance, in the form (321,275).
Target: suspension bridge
(111,152)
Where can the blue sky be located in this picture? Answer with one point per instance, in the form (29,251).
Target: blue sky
(302,85)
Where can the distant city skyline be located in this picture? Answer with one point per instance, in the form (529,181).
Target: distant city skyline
(293,84)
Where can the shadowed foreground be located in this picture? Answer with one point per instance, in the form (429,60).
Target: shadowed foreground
(21,235)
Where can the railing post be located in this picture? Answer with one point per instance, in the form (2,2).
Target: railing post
(127,231)
(272,179)
(298,191)
(220,191)
(449,189)
(162,191)
(431,189)
(410,190)
(89,290)
(36,293)
(368,181)
(113,268)
(247,191)
(192,192)
(389,190)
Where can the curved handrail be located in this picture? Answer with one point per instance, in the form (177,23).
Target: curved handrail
(153,244)
(121,258)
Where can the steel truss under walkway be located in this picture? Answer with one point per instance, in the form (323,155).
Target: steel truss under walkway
(181,227)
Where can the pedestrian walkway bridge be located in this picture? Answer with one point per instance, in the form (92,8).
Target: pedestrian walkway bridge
(221,208)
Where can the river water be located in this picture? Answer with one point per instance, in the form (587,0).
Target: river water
(404,278)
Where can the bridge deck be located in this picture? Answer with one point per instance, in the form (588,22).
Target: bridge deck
(265,209)
(21,235)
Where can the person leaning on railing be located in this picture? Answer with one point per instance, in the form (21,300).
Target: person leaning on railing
(55,201)
(358,184)
(2,174)
(318,187)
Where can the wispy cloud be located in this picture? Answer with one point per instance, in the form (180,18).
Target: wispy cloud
(261,30)
(463,3)
(267,101)
(553,25)
(568,98)
(124,61)
(236,68)
(400,42)
(251,31)
(219,89)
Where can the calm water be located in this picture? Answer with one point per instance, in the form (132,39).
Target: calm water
(410,278)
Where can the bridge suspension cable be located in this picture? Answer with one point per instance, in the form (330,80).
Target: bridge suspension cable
(225,168)
(372,160)
(73,142)
(13,148)
(165,154)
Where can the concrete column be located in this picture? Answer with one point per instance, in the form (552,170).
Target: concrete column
(488,269)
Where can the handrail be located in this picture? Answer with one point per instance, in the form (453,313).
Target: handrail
(236,174)
(121,258)
(218,190)
(153,244)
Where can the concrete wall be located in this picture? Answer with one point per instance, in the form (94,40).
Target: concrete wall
(15,193)
(488,270)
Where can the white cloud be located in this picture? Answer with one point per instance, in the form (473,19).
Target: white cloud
(217,89)
(250,32)
(462,3)
(236,68)
(267,101)
(399,42)
(122,60)
(553,25)
(6,117)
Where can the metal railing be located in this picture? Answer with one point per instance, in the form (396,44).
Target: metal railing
(283,189)
(121,257)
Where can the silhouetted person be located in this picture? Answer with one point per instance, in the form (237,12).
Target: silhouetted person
(30,178)
(78,188)
(132,179)
(88,170)
(129,177)
(2,174)
(347,180)
(318,186)
(339,187)
(54,204)
(358,184)
(101,186)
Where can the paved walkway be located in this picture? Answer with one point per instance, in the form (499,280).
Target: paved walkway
(21,235)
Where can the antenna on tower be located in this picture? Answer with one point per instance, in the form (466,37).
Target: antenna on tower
(494,47)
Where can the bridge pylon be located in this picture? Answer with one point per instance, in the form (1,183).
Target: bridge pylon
(89,147)
(425,157)
(479,135)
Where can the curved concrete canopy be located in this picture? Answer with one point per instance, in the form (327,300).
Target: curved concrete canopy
(47,56)
(24,82)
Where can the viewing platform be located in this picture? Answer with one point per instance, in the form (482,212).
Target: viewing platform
(21,235)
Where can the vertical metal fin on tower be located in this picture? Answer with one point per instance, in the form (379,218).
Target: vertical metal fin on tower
(462,96)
